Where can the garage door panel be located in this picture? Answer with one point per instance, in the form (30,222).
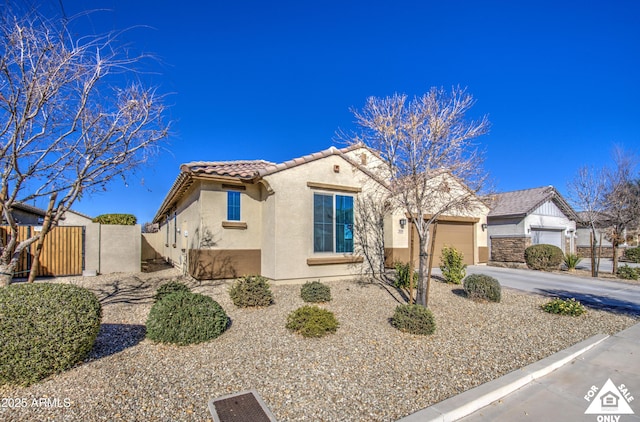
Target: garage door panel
(456,234)
(546,237)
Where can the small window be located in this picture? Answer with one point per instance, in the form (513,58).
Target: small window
(233,206)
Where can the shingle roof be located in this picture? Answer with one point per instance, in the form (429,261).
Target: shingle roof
(523,202)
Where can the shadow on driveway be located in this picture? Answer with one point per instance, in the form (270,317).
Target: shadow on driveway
(595,301)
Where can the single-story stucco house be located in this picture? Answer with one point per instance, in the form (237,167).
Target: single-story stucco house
(292,221)
(528,217)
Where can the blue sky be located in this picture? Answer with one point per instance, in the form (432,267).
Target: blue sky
(558,80)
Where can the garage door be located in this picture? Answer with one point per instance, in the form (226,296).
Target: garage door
(456,234)
(547,237)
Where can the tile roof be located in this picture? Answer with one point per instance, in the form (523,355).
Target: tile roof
(243,169)
(523,202)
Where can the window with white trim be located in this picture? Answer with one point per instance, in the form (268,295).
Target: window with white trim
(332,223)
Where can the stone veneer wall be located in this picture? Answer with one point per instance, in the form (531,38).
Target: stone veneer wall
(509,248)
(607,251)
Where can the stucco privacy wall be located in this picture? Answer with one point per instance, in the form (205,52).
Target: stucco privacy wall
(119,248)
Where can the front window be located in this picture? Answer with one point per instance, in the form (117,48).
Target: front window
(332,223)
(233,206)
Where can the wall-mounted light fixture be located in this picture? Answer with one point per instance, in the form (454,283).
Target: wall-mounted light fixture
(403,222)
(484,226)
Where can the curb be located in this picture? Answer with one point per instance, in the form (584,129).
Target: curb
(466,403)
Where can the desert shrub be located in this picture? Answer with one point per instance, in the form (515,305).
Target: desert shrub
(251,290)
(414,319)
(168,288)
(571,261)
(314,291)
(123,219)
(626,272)
(402,275)
(632,254)
(564,307)
(483,287)
(452,265)
(312,321)
(45,329)
(186,318)
(543,257)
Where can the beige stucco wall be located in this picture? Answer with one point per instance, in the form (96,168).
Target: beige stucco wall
(120,248)
(290,238)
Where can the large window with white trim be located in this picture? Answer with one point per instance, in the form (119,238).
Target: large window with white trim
(332,223)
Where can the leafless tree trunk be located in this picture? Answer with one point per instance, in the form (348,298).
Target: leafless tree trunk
(622,199)
(65,131)
(586,193)
(430,160)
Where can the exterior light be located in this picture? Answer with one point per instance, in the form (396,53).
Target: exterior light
(403,222)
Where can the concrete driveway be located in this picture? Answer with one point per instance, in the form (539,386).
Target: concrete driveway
(593,292)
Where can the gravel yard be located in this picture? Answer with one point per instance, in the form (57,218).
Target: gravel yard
(367,371)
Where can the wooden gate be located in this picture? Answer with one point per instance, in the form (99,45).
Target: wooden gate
(62,252)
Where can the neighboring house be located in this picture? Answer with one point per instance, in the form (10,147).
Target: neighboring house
(528,217)
(28,215)
(603,230)
(291,221)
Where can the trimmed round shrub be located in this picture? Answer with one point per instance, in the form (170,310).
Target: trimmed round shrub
(626,272)
(314,291)
(170,287)
(452,265)
(312,321)
(482,287)
(45,328)
(543,257)
(186,318)
(251,290)
(414,319)
(564,307)
(632,254)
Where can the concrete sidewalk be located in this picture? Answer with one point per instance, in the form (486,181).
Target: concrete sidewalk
(556,388)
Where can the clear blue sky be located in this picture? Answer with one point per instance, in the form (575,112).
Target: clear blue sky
(559,80)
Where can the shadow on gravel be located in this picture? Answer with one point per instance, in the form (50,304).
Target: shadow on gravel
(596,301)
(114,338)
(459,292)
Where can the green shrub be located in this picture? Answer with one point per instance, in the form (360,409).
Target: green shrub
(626,272)
(414,319)
(452,265)
(123,219)
(168,288)
(45,329)
(251,290)
(483,287)
(186,318)
(564,307)
(632,254)
(312,321)
(314,291)
(543,257)
(571,261)
(402,275)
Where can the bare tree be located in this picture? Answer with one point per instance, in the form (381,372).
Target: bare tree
(432,164)
(586,192)
(622,199)
(65,130)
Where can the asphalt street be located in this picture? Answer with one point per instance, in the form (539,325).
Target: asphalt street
(593,292)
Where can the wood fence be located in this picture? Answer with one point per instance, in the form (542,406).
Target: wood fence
(62,252)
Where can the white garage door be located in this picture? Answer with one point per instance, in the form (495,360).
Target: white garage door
(547,237)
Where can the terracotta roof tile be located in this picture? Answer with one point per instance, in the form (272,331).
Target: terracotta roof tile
(244,169)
